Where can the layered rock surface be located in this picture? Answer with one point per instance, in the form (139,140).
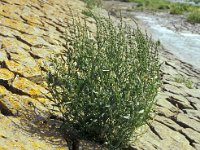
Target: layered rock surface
(33,30)
(30,32)
(176,125)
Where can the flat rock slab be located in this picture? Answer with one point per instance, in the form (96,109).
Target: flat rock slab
(22,69)
(192,135)
(162,137)
(3,55)
(30,88)
(16,137)
(5,74)
(3,90)
(186,121)
(30,32)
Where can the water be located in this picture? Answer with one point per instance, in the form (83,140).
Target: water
(184,45)
(186,1)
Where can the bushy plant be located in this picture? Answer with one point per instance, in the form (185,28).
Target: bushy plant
(194,17)
(178,8)
(105,84)
(92,3)
(152,4)
(157,5)
(87,13)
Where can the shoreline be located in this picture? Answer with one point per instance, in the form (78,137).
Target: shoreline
(177,107)
(115,6)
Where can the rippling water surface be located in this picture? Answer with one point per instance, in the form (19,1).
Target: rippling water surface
(184,45)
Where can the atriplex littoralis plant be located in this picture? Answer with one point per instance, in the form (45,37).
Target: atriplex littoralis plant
(105,84)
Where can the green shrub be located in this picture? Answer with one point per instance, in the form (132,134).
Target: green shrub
(194,17)
(178,8)
(164,6)
(155,5)
(152,4)
(105,85)
(87,13)
(92,3)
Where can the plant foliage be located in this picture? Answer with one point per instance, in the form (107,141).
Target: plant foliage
(92,3)
(105,84)
(194,17)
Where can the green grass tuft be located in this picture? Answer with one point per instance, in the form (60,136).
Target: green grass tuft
(181,79)
(179,8)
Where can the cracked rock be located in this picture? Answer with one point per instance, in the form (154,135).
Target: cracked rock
(5,74)
(192,135)
(23,69)
(27,87)
(185,121)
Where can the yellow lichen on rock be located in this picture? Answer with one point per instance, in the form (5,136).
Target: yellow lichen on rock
(3,55)
(30,32)
(41,52)
(11,42)
(32,19)
(3,148)
(23,69)
(5,74)
(11,105)
(9,11)
(26,86)
(3,90)
(14,136)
